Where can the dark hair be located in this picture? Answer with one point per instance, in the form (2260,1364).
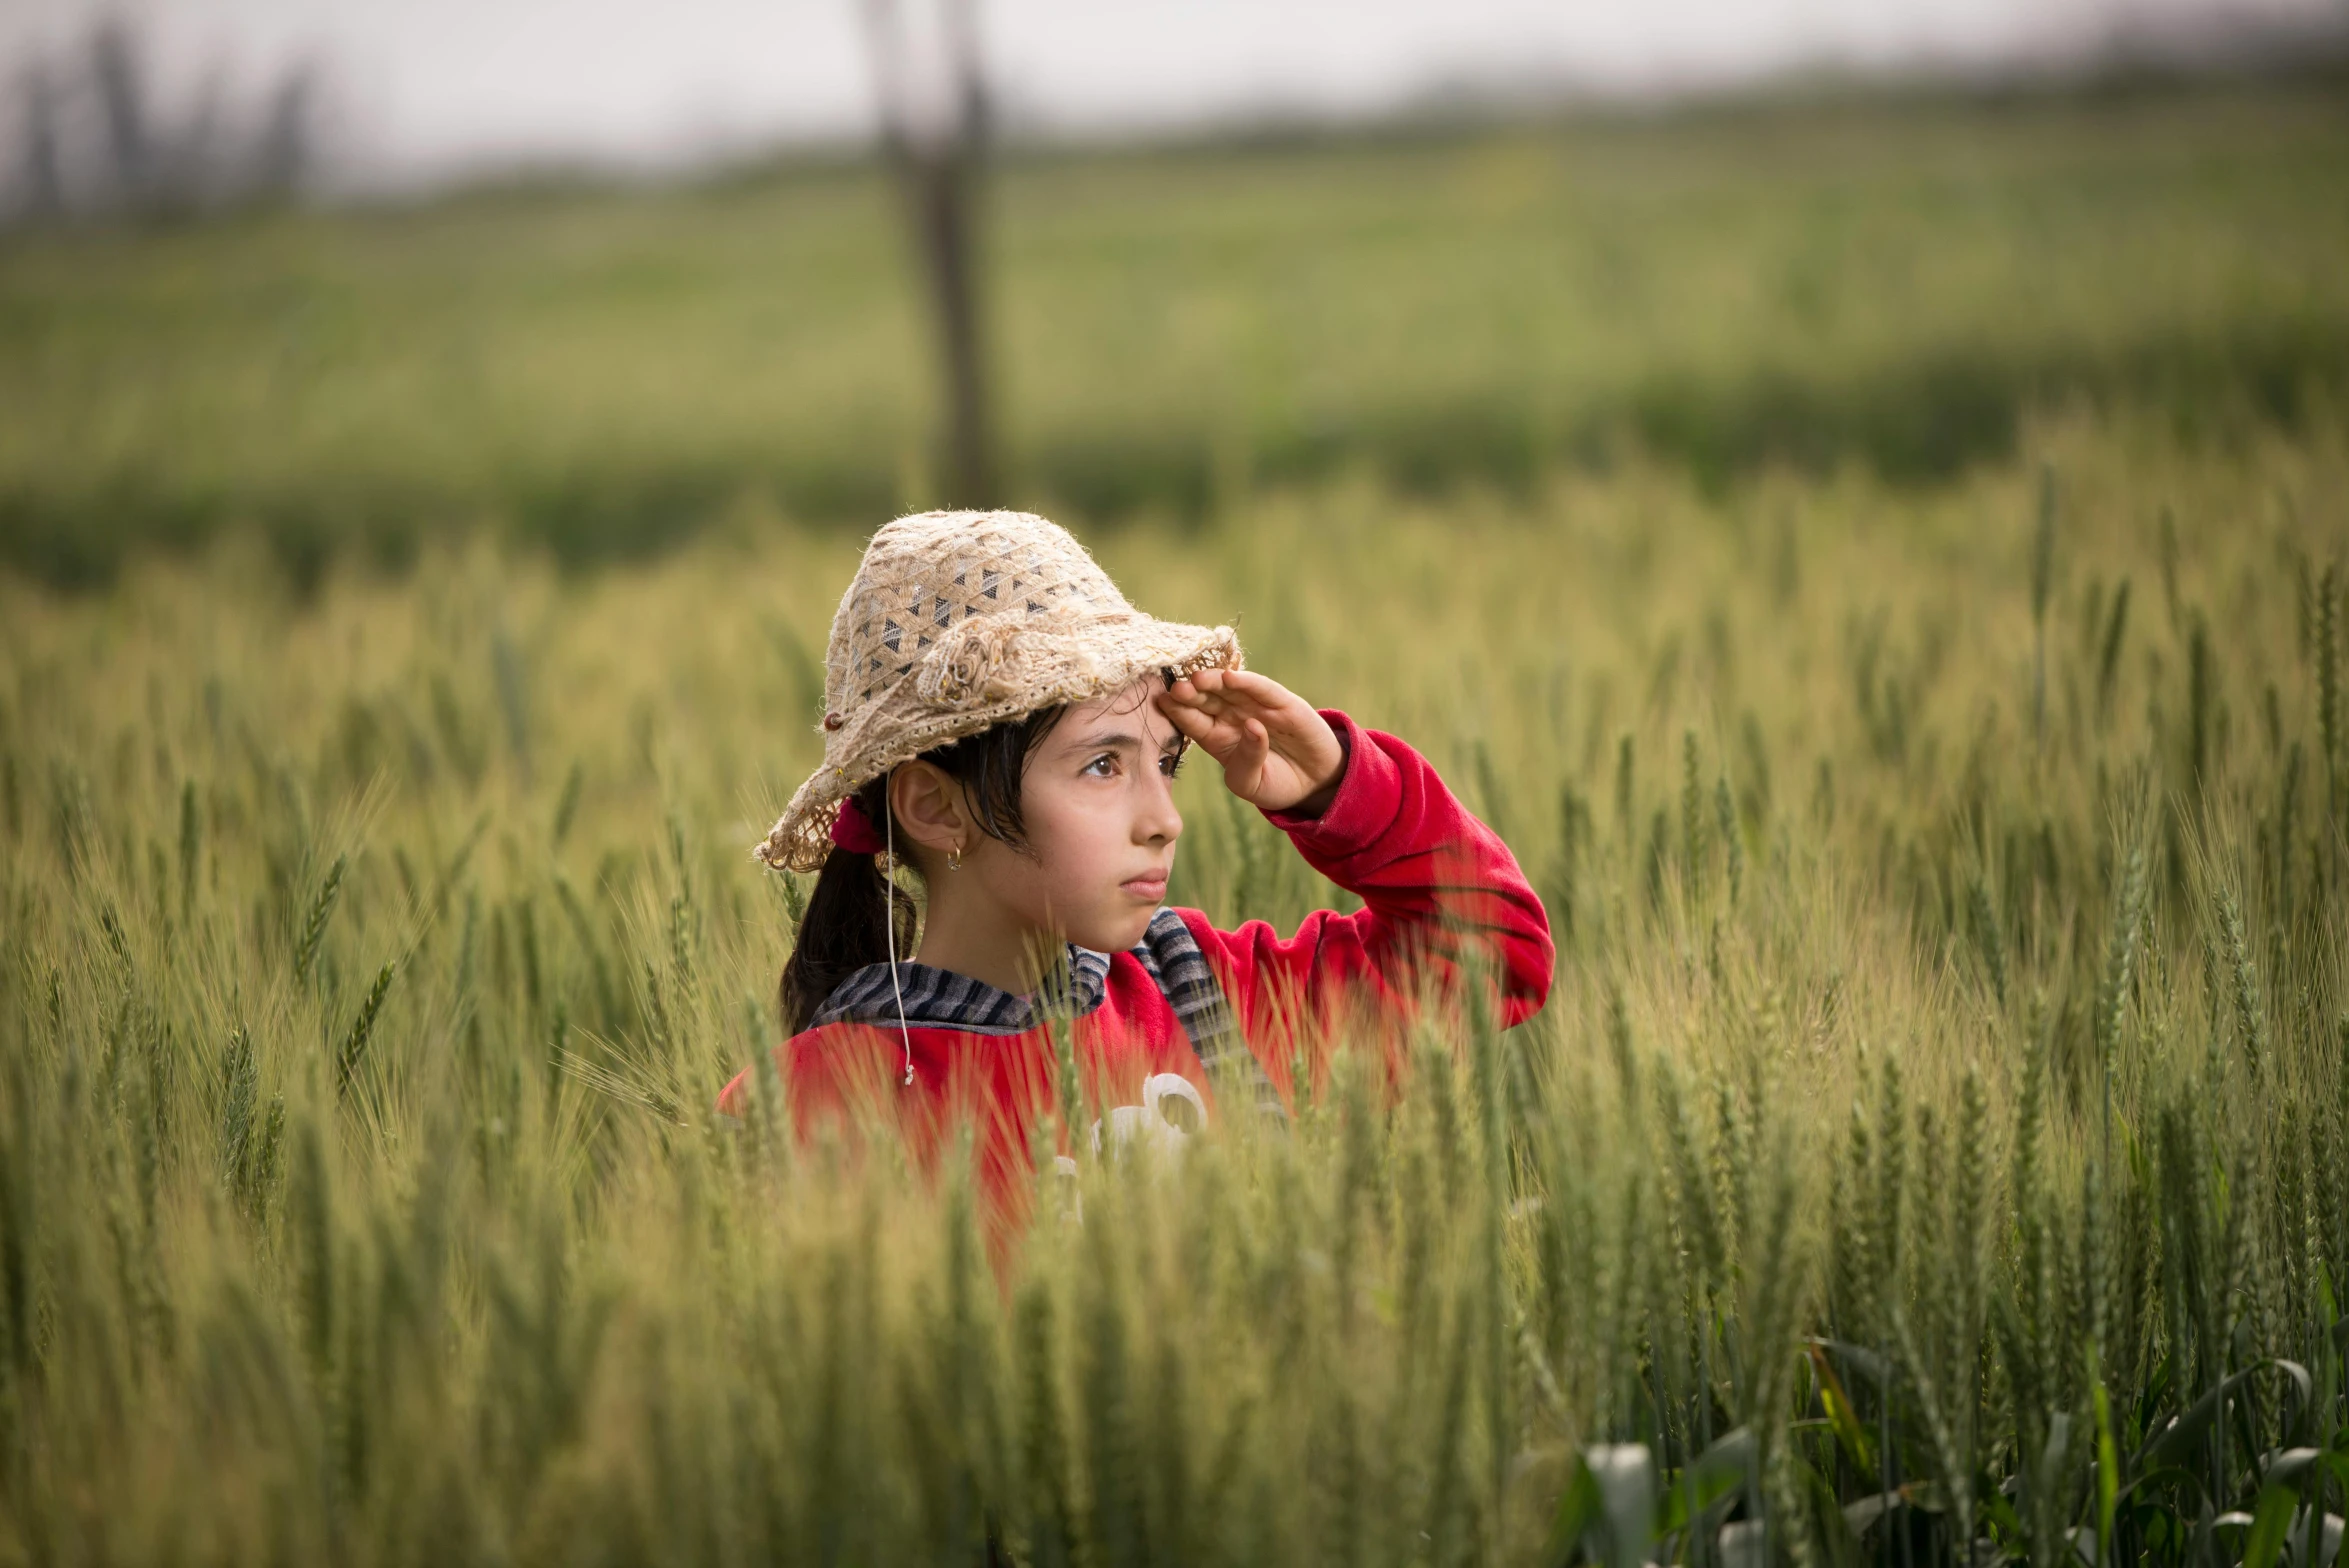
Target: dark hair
(843,929)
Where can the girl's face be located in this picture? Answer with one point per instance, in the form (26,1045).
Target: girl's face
(1101,825)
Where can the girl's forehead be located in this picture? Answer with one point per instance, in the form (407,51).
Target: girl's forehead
(1129,706)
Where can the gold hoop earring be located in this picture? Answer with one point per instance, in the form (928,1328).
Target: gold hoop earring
(954,858)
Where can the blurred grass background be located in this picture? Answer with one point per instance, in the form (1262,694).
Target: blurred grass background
(604,372)
(1952,895)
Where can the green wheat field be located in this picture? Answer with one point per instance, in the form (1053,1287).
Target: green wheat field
(1882,568)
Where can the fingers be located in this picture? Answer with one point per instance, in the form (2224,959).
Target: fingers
(1243,768)
(1246,685)
(1193,723)
(1250,724)
(1216,733)
(1185,698)
(1262,689)
(1255,728)
(1226,691)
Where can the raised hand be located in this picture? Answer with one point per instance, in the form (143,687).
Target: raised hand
(1277,753)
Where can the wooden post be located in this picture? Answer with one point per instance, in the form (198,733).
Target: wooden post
(937,161)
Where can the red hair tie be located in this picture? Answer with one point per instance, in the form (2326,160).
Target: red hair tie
(853,831)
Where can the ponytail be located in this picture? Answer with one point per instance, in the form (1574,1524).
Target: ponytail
(846,926)
(843,930)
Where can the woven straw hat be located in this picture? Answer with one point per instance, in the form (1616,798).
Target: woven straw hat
(955,622)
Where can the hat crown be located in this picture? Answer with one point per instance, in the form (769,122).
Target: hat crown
(925,578)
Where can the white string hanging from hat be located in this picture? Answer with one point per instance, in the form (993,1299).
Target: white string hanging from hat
(889,913)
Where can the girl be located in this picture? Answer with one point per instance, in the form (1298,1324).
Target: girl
(1000,720)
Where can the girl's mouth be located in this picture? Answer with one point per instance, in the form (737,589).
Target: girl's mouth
(1151,885)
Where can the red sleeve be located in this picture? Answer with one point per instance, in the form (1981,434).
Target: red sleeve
(1438,887)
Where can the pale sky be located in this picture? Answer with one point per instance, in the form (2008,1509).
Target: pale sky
(426,88)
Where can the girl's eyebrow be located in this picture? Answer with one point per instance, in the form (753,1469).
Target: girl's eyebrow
(1111,740)
(1126,740)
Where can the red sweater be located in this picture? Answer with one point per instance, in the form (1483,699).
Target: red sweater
(1433,881)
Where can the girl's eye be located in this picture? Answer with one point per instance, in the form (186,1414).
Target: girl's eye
(1103,766)
(1171,764)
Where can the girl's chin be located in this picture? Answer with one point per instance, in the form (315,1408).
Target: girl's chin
(1118,932)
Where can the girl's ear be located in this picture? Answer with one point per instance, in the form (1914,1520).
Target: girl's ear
(931,808)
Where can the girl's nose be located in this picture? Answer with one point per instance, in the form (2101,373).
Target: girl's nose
(1158,822)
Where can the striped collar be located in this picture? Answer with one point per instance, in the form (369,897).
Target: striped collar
(942,999)
(1168,953)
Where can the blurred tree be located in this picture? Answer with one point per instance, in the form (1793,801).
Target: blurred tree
(122,99)
(130,155)
(281,156)
(44,178)
(933,112)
